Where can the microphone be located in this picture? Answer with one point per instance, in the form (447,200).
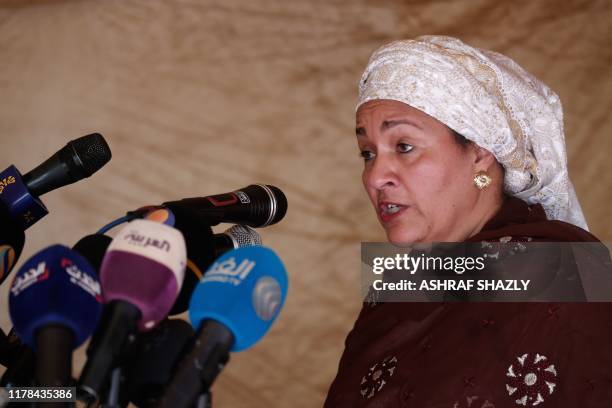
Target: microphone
(203,247)
(199,240)
(237,236)
(141,275)
(79,159)
(257,205)
(152,367)
(93,247)
(199,244)
(55,302)
(233,307)
(12,239)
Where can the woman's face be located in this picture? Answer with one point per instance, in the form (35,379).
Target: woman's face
(418,178)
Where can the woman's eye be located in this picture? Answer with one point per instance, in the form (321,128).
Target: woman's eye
(366,155)
(404,147)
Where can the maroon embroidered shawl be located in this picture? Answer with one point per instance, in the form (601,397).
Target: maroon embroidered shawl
(482,355)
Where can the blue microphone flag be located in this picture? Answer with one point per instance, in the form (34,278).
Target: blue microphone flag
(245,290)
(55,286)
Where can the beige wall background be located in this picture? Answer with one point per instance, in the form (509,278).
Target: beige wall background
(203,97)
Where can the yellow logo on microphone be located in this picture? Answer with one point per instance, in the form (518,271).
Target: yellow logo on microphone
(5,182)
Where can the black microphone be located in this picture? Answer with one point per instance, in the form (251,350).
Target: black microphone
(79,159)
(257,205)
(93,247)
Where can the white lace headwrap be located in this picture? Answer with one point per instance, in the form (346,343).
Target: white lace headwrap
(492,101)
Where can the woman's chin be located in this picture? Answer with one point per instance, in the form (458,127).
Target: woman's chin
(404,238)
(408,228)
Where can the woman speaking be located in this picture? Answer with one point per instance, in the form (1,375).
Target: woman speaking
(461,144)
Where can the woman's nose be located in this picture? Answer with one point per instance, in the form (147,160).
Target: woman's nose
(381,173)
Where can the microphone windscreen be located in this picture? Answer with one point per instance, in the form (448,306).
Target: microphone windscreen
(145,266)
(157,354)
(57,286)
(244,290)
(90,152)
(93,247)
(242,235)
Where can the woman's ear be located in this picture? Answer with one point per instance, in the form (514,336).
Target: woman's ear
(483,159)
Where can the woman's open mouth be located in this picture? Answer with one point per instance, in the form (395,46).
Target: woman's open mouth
(389,211)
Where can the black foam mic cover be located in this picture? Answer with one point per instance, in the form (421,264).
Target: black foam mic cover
(93,247)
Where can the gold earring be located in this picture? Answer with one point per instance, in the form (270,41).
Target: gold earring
(482,180)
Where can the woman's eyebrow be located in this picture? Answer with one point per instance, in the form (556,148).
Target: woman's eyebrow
(387,124)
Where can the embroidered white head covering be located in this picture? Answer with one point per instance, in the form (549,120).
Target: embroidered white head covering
(489,99)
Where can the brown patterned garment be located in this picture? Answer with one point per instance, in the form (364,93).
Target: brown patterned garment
(482,355)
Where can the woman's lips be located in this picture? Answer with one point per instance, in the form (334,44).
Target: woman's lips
(389,211)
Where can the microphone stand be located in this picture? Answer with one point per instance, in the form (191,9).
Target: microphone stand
(112,399)
(204,400)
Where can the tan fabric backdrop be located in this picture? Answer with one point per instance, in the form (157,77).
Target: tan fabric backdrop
(202,97)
